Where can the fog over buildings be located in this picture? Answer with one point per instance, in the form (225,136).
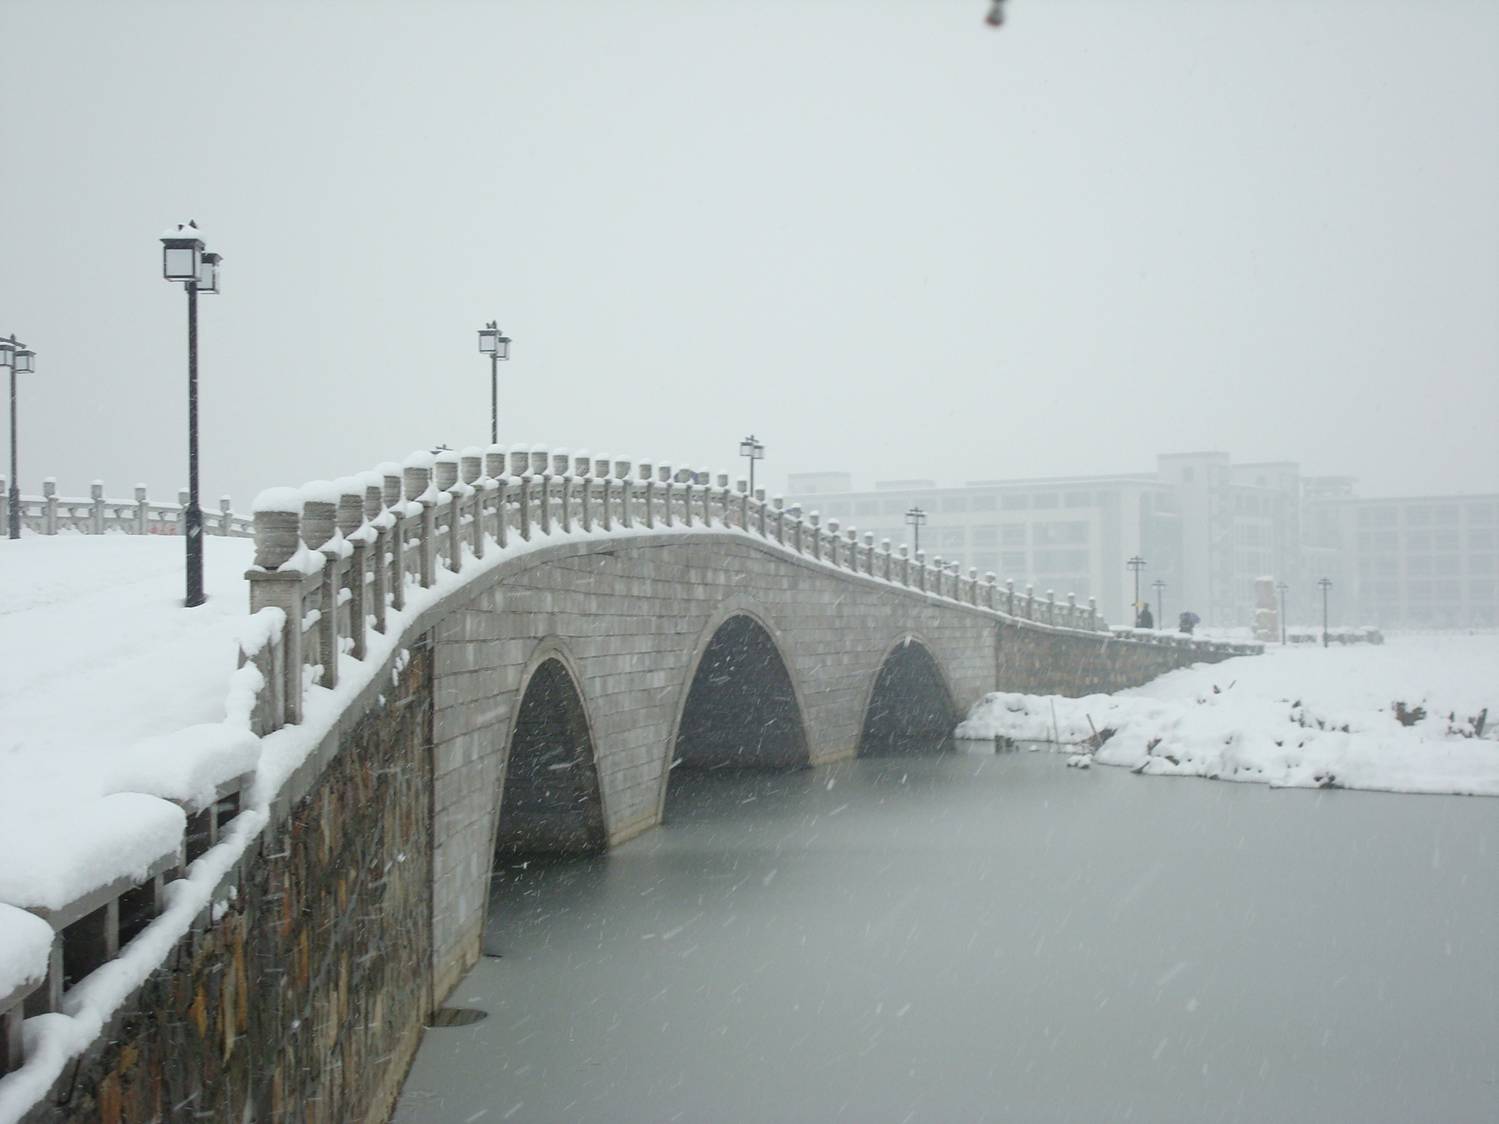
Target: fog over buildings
(880,236)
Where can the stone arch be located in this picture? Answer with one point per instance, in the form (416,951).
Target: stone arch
(909,708)
(550,799)
(740,705)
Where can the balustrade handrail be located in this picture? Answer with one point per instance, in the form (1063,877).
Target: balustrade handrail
(96,514)
(336,557)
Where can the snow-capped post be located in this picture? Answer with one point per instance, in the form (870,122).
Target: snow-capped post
(833,541)
(905,565)
(814,521)
(183,496)
(494,462)
(1072,610)
(445,482)
(1093,614)
(869,553)
(319,512)
(939,570)
(350,518)
(724,494)
(376,540)
(885,559)
(688,479)
(278,520)
(96,507)
(780,509)
(1010,596)
(667,477)
(226,506)
(142,511)
(473,495)
(920,567)
(390,478)
(1051,606)
(989,589)
(647,473)
(973,585)
(417,478)
(1030,602)
(853,549)
(626,493)
(49,499)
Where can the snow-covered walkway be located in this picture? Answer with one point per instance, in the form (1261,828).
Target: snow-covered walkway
(1402,717)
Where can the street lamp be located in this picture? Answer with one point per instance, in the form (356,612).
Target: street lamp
(1136,563)
(753,450)
(184,260)
(496,345)
(1281,588)
(18,360)
(1159,585)
(1326,584)
(915,517)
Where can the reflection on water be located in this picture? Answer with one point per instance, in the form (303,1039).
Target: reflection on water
(974,936)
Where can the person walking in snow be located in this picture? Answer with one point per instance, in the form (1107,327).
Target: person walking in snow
(1143,619)
(1189,621)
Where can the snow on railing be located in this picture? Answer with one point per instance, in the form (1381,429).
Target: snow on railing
(1165,638)
(334,558)
(51,514)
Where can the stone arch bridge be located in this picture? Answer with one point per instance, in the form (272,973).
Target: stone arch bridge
(510,651)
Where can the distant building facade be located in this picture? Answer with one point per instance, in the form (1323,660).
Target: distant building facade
(1207,528)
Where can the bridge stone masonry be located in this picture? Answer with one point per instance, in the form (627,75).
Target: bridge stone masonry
(508,651)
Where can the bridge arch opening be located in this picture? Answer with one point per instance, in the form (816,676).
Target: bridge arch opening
(741,709)
(551,802)
(910,709)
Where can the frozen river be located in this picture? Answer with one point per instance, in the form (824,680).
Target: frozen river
(974,937)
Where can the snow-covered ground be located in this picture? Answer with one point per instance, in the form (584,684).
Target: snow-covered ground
(1298,716)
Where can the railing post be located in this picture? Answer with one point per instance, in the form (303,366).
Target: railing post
(884,559)
(1093,614)
(226,506)
(650,501)
(445,483)
(96,507)
(626,493)
(724,495)
(687,500)
(973,585)
(278,517)
(470,472)
(780,510)
(319,512)
(49,499)
(374,506)
(1051,607)
(664,474)
(921,570)
(350,517)
(583,474)
(142,511)
(833,540)
(416,479)
(905,565)
(562,476)
(989,589)
(391,492)
(741,485)
(937,571)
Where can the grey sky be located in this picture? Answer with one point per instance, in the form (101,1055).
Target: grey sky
(879,235)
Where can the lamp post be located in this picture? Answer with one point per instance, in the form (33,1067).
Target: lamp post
(1281,587)
(753,450)
(1326,584)
(184,259)
(496,345)
(18,360)
(1136,563)
(915,517)
(1159,585)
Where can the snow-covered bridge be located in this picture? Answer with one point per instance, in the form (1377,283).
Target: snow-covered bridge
(468,655)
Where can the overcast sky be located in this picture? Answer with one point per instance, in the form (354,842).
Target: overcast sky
(878,234)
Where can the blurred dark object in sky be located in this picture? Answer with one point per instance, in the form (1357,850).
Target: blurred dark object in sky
(996,15)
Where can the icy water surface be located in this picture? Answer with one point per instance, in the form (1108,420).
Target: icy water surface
(992,938)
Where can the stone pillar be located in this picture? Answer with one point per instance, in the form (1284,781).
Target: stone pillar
(905,565)
(350,517)
(1010,596)
(583,473)
(869,553)
(741,486)
(938,572)
(833,541)
(1093,614)
(377,545)
(142,511)
(973,586)
(920,568)
(277,539)
(780,508)
(1030,602)
(475,497)
(96,508)
(390,476)
(989,590)
(687,500)
(417,478)
(885,559)
(1051,607)
(318,529)
(225,513)
(665,474)
(49,500)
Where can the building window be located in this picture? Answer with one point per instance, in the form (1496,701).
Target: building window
(1044,500)
(1484,513)
(985,502)
(1480,540)
(1013,563)
(1417,516)
(1061,534)
(985,536)
(1445,516)
(1014,502)
(1012,534)
(1077,499)
(952,536)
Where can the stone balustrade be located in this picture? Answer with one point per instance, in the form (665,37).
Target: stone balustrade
(332,559)
(51,514)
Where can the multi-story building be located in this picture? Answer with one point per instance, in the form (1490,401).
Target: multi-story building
(1207,529)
